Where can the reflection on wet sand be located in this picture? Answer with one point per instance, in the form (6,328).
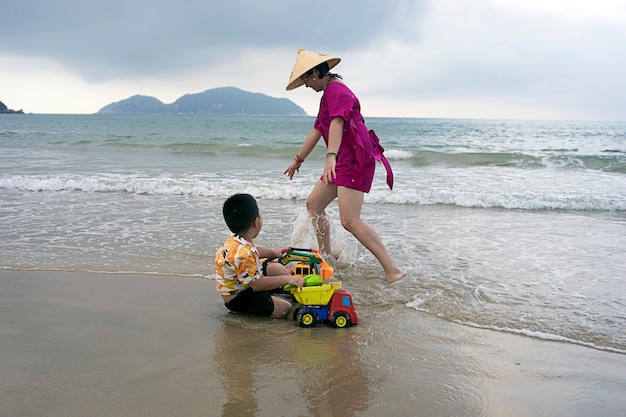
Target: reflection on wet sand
(316,372)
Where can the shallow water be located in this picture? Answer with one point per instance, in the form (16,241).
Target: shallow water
(512,226)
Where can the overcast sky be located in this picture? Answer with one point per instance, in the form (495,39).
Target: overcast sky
(538,59)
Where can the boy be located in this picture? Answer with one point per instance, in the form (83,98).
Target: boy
(239,276)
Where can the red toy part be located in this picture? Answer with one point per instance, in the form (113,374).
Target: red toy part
(339,312)
(342,312)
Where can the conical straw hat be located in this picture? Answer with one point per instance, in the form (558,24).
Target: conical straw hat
(306,61)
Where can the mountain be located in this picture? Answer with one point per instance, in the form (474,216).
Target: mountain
(136,105)
(5,109)
(217,101)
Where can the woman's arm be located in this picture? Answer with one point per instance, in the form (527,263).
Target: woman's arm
(309,143)
(335,136)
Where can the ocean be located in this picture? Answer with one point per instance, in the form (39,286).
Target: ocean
(513,226)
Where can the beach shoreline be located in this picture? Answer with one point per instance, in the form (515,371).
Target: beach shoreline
(78,343)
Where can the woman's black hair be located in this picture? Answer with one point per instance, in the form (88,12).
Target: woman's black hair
(240,211)
(324,71)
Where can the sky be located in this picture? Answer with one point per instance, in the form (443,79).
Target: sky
(495,59)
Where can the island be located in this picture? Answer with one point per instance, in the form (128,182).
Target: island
(5,109)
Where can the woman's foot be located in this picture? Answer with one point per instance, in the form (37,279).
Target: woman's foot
(396,275)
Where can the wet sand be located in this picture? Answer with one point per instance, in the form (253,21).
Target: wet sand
(84,344)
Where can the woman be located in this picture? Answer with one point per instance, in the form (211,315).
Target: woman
(352,151)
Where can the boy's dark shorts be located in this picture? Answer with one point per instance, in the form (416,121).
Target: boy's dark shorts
(248,301)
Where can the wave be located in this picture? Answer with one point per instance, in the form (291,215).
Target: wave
(609,162)
(299,189)
(503,200)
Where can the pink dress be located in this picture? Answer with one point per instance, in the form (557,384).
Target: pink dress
(356,161)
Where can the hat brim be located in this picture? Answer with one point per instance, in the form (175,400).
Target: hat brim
(305,62)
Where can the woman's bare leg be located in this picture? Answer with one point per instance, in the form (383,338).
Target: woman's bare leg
(350,204)
(316,204)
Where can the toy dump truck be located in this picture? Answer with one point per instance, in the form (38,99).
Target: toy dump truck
(318,301)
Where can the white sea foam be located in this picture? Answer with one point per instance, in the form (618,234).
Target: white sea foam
(277,189)
(397,154)
(418,305)
(543,336)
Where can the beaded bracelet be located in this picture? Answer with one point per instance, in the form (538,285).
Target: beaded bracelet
(331,154)
(298,159)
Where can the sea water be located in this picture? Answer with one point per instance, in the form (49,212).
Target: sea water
(516,226)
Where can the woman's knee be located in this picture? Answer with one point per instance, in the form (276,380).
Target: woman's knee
(350,223)
(311,205)
(320,198)
(315,206)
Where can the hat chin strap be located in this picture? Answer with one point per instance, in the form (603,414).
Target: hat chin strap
(330,76)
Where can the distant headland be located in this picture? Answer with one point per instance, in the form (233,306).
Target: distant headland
(216,101)
(5,109)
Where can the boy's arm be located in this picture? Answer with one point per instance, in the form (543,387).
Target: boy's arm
(269,253)
(266,283)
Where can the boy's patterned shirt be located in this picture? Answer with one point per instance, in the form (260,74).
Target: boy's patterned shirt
(237,264)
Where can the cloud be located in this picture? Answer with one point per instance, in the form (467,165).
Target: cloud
(444,58)
(547,57)
(104,40)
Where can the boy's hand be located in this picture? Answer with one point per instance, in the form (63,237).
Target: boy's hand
(295,280)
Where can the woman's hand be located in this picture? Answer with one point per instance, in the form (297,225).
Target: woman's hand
(329,169)
(309,143)
(293,167)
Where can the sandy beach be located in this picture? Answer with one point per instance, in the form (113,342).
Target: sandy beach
(84,344)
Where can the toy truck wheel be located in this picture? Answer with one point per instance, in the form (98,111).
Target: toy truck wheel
(340,320)
(306,318)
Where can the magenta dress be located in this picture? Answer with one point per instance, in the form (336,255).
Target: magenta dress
(356,161)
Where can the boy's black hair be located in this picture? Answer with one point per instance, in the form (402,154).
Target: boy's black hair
(239,211)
